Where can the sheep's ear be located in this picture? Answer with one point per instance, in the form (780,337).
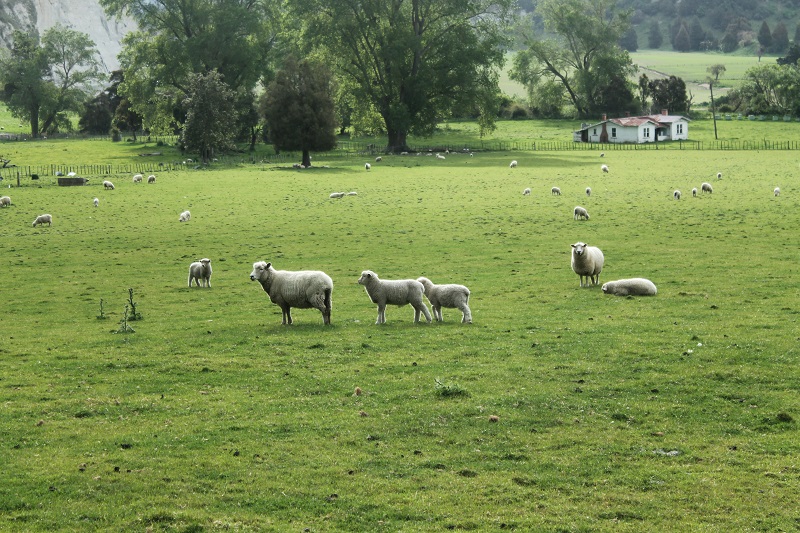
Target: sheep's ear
(572,245)
(268,265)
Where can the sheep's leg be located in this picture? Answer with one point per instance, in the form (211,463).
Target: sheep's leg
(437,312)
(416,314)
(467,314)
(381,314)
(286,315)
(424,309)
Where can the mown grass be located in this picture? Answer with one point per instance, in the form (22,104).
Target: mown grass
(672,413)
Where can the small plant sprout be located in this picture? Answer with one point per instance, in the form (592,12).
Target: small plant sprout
(135,315)
(102,315)
(123,324)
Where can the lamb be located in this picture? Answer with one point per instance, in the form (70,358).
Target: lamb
(694,192)
(526,191)
(6,200)
(352,193)
(367,166)
(394,292)
(588,191)
(449,295)
(185,216)
(676,194)
(96,202)
(604,168)
(776,192)
(556,191)
(137,178)
(304,289)
(706,187)
(579,212)
(108,185)
(200,271)
(630,287)
(337,195)
(587,262)
(41,219)
(151,178)
(513,164)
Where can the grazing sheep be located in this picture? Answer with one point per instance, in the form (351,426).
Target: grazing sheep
(602,154)
(185,216)
(41,219)
(449,295)
(706,187)
(6,200)
(96,202)
(439,156)
(367,166)
(776,192)
(630,287)
(604,168)
(526,191)
(719,175)
(304,289)
(378,159)
(151,178)
(588,191)
(137,178)
(587,262)
(337,195)
(108,185)
(513,164)
(694,192)
(579,212)
(556,191)
(676,195)
(394,292)
(200,271)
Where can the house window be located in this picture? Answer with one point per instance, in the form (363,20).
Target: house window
(613,132)
(646,133)
(594,131)
(679,129)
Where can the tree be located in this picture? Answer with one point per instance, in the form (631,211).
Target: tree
(765,36)
(771,89)
(791,56)
(42,82)
(682,42)
(670,93)
(696,34)
(644,92)
(630,41)
(797,34)
(413,61)
(209,108)
(654,37)
(780,38)
(298,108)
(96,116)
(582,55)
(715,70)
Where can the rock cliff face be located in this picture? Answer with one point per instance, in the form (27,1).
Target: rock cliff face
(85,16)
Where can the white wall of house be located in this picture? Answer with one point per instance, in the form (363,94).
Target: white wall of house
(680,130)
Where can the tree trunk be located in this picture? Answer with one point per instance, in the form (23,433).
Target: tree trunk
(306,158)
(35,123)
(398,141)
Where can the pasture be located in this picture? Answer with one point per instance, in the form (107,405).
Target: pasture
(671,413)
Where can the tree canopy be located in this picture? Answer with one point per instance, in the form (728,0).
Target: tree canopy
(210,115)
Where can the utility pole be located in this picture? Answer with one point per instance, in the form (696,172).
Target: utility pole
(713,108)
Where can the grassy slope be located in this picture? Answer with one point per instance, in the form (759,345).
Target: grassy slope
(674,413)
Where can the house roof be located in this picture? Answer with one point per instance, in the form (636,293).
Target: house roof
(634,122)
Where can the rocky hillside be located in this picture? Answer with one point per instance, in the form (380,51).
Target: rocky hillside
(85,16)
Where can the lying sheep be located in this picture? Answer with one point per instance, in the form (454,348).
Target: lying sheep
(5,201)
(694,192)
(108,185)
(449,295)
(604,168)
(439,156)
(556,191)
(588,191)
(394,292)
(304,289)
(776,192)
(706,187)
(137,178)
(337,195)
(630,287)
(676,195)
(151,178)
(526,191)
(587,262)
(185,216)
(41,219)
(352,193)
(513,164)
(200,271)
(579,212)
(96,202)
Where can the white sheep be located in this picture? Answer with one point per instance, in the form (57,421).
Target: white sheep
(630,287)
(352,193)
(449,295)
(719,175)
(137,178)
(588,191)
(367,166)
(513,164)
(439,156)
(556,191)
(337,195)
(526,191)
(41,219)
(579,212)
(378,159)
(96,202)
(587,262)
(776,192)
(185,216)
(394,292)
(108,185)
(200,271)
(5,201)
(694,192)
(604,168)
(303,289)
(71,174)
(676,194)
(706,187)
(151,178)
(602,154)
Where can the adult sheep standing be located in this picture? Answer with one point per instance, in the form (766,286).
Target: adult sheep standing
(5,201)
(448,295)
(587,262)
(676,194)
(776,192)
(604,168)
(555,191)
(526,191)
(185,216)
(42,219)
(304,289)
(580,212)
(108,185)
(706,187)
(200,272)
(394,292)
(151,178)
(137,178)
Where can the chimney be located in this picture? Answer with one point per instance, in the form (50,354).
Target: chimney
(604,117)
(664,112)
(627,113)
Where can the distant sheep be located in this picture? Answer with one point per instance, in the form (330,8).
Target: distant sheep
(587,262)
(719,175)
(367,166)
(579,212)
(185,216)
(630,287)
(588,191)
(151,178)
(6,201)
(513,164)
(439,156)
(526,191)
(776,192)
(676,195)
(604,168)
(108,185)
(137,178)
(449,295)
(71,174)
(602,154)
(96,202)
(337,194)
(352,193)
(41,219)
(556,191)
(378,159)
(694,192)
(200,272)
(706,187)
(394,292)
(303,289)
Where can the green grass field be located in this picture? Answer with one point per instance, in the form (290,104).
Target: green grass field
(671,413)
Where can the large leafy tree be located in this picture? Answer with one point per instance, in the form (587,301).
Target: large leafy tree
(413,61)
(580,51)
(670,94)
(43,81)
(771,88)
(209,107)
(298,107)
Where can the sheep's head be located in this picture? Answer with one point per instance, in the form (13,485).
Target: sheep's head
(578,248)
(426,283)
(366,277)
(260,269)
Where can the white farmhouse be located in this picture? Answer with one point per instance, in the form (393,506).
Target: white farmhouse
(642,129)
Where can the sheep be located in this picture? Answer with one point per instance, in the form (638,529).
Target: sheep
(719,175)
(394,292)
(304,289)
(449,295)
(352,193)
(526,191)
(137,178)
(630,287)
(6,201)
(439,156)
(587,262)
(513,164)
(71,174)
(200,271)
(588,191)
(151,178)
(676,194)
(579,212)
(694,192)
(602,154)
(108,185)
(41,219)
(556,191)
(336,195)
(367,166)
(378,159)
(776,192)
(706,187)
(185,216)
(604,168)
(96,202)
